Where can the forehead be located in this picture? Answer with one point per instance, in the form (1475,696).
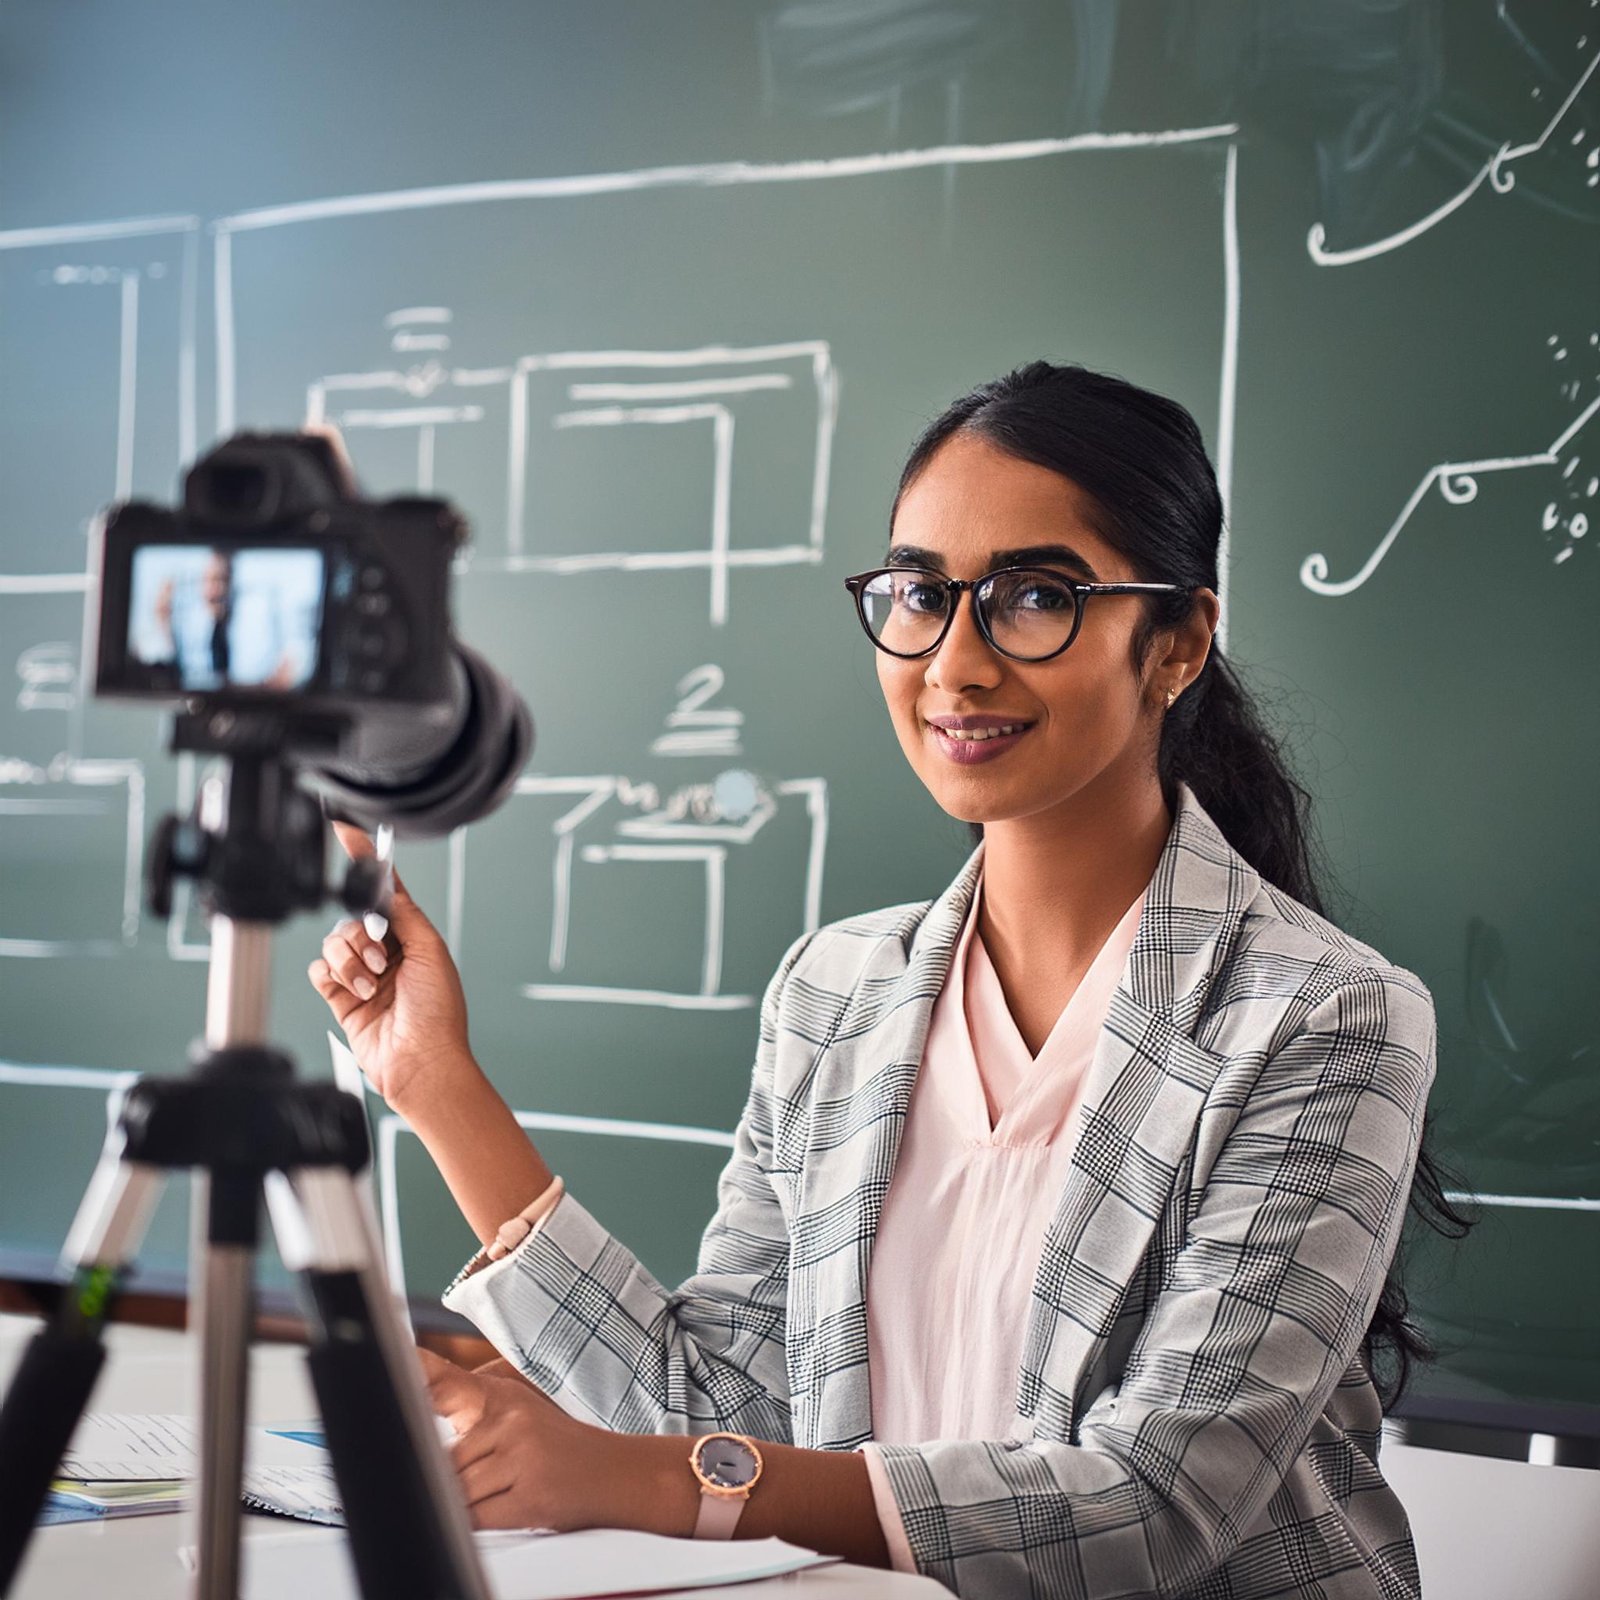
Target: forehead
(973,501)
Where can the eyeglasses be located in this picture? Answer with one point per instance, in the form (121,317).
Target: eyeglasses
(1026,613)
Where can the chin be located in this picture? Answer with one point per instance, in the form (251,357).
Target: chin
(967,802)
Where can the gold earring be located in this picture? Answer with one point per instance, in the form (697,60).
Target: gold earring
(1172,694)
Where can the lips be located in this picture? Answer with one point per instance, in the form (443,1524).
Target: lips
(968,740)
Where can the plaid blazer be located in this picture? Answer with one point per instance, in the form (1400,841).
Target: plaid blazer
(1194,1416)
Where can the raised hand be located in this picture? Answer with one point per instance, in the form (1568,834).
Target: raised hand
(399,1000)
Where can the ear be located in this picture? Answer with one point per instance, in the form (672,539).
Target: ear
(1180,651)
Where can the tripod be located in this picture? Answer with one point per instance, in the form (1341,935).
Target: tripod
(242,1124)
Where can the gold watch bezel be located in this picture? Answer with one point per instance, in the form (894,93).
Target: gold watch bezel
(725,1491)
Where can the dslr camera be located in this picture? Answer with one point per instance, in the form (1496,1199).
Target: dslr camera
(280,611)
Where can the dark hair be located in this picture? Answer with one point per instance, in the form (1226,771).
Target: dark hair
(1140,459)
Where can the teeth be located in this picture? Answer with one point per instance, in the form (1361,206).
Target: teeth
(978,734)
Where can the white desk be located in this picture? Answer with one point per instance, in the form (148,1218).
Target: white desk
(149,1369)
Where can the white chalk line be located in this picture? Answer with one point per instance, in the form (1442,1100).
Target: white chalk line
(690,389)
(1457,481)
(80,772)
(46,582)
(390,1127)
(227,364)
(188,409)
(411,417)
(128,384)
(28,1074)
(648,560)
(94,232)
(1494,170)
(1524,1202)
(1228,387)
(668,999)
(431,314)
(716,560)
(710,175)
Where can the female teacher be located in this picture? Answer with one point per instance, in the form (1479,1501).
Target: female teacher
(1051,1256)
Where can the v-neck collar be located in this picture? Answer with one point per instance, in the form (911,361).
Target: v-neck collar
(1000,1092)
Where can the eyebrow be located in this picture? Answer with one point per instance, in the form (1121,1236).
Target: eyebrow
(1032,555)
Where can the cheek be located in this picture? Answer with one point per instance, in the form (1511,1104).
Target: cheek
(901,683)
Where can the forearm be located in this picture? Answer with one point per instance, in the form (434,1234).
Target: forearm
(483,1154)
(819,1499)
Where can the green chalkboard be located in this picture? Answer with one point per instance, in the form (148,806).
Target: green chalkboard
(659,294)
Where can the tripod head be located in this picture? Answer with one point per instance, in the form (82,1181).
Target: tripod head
(254,845)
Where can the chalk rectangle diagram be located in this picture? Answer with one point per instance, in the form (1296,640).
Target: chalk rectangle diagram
(97,344)
(628,858)
(639,449)
(615,460)
(80,821)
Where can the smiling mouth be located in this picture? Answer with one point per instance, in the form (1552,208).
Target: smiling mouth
(978,735)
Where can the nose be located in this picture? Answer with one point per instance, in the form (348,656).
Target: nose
(963,660)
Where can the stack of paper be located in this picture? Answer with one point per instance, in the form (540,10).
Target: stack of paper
(124,1465)
(74,1500)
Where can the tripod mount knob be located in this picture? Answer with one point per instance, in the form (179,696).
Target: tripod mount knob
(363,884)
(178,849)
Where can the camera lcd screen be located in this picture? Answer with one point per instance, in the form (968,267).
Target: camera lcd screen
(210,618)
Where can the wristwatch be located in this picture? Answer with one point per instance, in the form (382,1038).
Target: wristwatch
(728,1467)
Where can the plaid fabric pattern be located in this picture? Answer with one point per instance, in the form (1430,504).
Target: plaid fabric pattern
(1194,1418)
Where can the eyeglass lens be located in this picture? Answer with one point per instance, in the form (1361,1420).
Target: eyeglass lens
(1029,614)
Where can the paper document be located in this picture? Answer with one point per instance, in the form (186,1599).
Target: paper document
(71,1501)
(550,1566)
(281,1473)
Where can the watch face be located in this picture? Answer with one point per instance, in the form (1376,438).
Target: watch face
(727,1463)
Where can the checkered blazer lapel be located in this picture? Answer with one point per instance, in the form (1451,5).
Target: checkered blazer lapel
(1142,1094)
(867,1064)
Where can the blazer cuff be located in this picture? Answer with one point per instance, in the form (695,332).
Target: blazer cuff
(888,1509)
(482,1264)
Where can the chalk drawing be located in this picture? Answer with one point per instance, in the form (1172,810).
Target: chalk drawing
(74,793)
(1498,172)
(693,824)
(537,397)
(391,1127)
(1457,482)
(122,260)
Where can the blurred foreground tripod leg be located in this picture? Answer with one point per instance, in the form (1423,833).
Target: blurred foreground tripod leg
(409,1531)
(51,1386)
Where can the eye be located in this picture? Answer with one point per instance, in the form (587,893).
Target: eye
(1031,592)
(919,594)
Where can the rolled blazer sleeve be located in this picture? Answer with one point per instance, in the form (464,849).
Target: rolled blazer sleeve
(580,1315)
(1264,1307)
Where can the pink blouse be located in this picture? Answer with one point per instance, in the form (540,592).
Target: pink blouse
(984,1155)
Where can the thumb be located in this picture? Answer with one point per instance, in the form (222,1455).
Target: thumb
(456,1395)
(356,842)
(405,915)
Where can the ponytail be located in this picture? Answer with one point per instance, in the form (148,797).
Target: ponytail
(1214,740)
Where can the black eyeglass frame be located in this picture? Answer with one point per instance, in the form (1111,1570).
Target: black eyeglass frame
(954,587)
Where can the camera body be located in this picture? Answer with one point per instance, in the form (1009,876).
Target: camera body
(274,587)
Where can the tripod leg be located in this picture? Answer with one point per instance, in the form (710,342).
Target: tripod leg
(232,1208)
(51,1387)
(409,1532)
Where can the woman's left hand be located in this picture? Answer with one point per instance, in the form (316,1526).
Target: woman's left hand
(523,1462)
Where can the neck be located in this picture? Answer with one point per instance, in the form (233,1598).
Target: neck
(1055,885)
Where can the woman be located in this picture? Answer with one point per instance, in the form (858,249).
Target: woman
(1050,1254)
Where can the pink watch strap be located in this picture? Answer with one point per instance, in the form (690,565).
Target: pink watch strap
(719,1515)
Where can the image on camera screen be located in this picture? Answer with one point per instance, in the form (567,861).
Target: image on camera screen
(209,619)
